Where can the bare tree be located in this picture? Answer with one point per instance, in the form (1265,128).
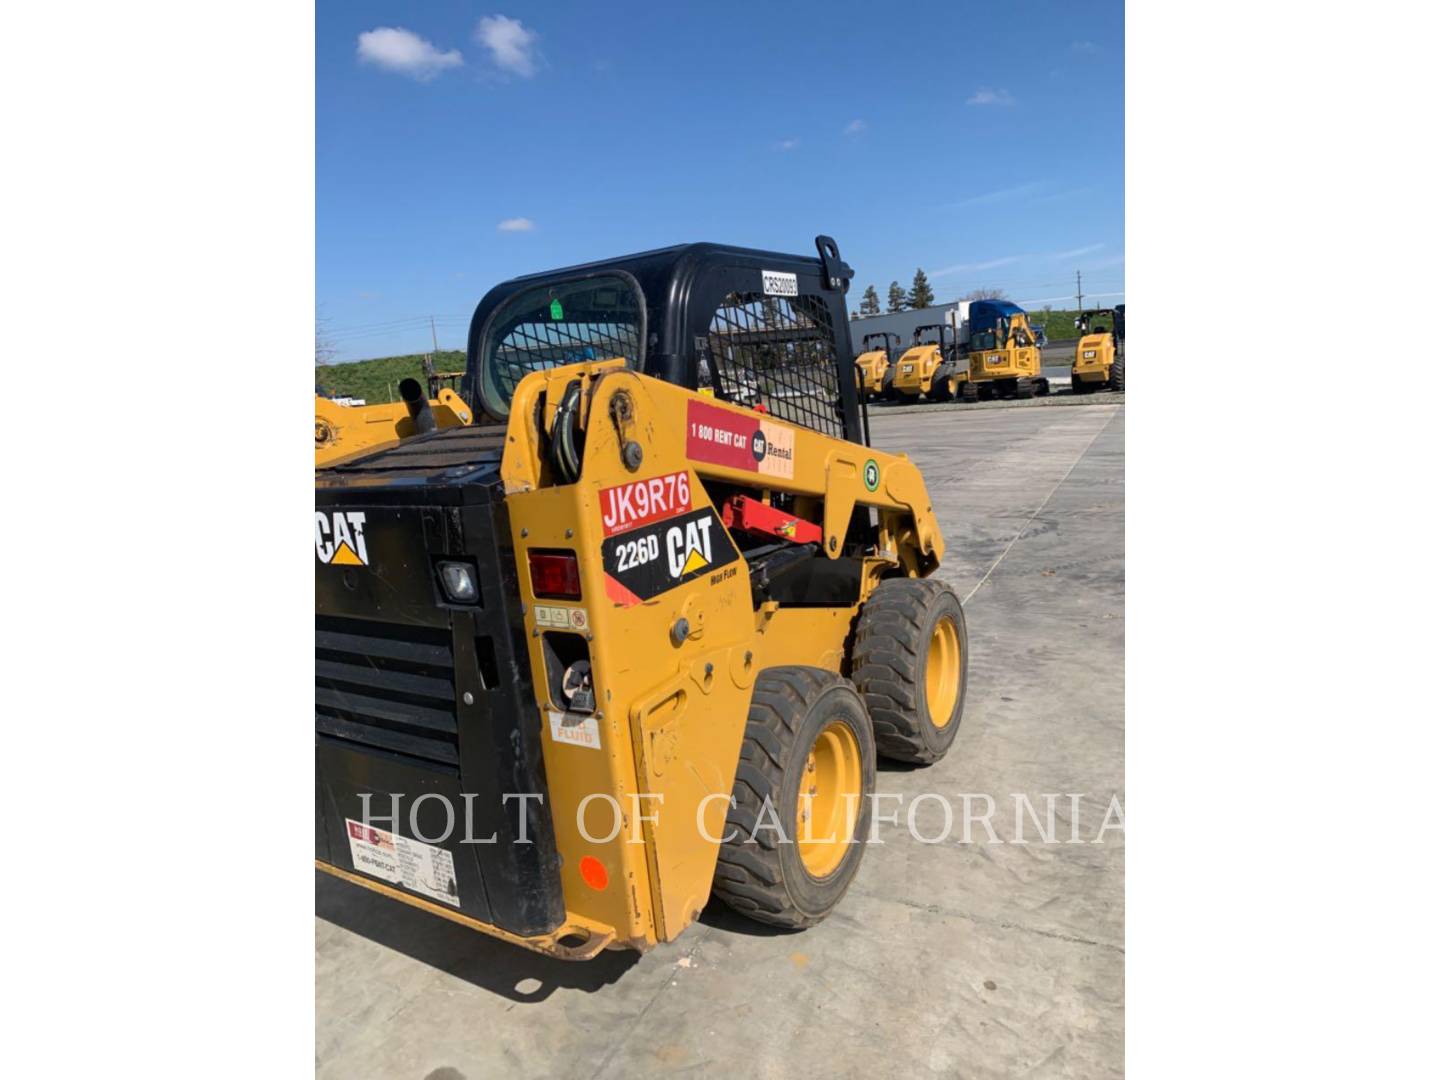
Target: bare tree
(986,294)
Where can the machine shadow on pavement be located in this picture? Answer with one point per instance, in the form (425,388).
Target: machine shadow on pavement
(718,916)
(484,962)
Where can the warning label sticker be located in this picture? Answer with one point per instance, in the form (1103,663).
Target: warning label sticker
(576,729)
(421,868)
(739,440)
(646,562)
(627,506)
(561,618)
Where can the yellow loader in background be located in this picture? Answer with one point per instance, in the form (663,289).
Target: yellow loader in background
(341,431)
(930,369)
(1100,352)
(875,366)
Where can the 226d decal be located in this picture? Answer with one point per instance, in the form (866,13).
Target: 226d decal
(643,563)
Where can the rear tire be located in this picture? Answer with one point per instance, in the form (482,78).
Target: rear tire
(797,715)
(969,392)
(910,661)
(1077,386)
(941,391)
(1117,375)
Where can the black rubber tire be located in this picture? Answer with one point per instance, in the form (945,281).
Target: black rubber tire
(1024,388)
(969,392)
(766,880)
(1077,386)
(892,644)
(1042,387)
(1117,375)
(941,391)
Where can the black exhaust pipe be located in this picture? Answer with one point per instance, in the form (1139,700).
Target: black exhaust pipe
(413,395)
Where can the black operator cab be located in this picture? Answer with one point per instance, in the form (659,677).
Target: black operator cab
(754,327)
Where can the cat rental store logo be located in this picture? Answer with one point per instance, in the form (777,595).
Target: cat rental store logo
(340,538)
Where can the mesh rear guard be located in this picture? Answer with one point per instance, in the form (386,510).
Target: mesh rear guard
(780,352)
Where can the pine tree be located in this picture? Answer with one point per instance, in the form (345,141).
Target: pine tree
(870,302)
(921,295)
(896,300)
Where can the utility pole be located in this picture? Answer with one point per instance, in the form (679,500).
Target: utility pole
(435,341)
(1079,296)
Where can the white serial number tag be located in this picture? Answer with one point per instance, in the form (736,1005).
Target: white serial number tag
(780,284)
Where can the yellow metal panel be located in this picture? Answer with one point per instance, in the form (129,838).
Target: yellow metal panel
(1094,355)
(872,366)
(671,710)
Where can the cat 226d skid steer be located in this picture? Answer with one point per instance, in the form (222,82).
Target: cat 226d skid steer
(621,645)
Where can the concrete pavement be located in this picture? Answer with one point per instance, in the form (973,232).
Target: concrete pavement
(947,959)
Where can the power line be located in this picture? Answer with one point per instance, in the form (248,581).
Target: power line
(420,320)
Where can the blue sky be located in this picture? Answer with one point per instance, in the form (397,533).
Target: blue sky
(459,144)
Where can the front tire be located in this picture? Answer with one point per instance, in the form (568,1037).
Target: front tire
(910,663)
(809,750)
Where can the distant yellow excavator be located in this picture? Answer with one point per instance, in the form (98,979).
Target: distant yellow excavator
(341,431)
(1004,352)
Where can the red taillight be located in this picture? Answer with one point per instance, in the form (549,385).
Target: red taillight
(555,575)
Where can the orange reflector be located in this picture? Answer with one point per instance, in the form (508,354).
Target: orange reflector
(594,873)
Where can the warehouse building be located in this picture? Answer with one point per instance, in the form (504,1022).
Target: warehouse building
(899,322)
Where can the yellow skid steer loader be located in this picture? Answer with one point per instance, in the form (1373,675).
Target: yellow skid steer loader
(622,645)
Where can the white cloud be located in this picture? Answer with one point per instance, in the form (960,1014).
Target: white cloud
(516,224)
(1019,191)
(1075,253)
(856,127)
(986,96)
(397,49)
(975,268)
(511,45)
(1084,47)
(787,144)
(1007,260)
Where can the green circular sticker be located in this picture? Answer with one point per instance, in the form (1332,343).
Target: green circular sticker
(872,475)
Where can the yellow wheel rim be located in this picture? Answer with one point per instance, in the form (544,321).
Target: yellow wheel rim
(942,672)
(829,800)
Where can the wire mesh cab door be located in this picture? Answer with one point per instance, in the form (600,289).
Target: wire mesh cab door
(773,333)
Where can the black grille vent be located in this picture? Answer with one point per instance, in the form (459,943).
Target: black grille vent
(386,686)
(777,351)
